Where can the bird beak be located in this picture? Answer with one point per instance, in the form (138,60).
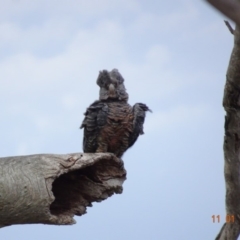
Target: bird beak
(111,88)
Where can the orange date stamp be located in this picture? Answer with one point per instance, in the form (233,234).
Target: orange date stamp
(228,219)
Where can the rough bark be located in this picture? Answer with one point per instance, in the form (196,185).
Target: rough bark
(51,189)
(231,103)
(229,8)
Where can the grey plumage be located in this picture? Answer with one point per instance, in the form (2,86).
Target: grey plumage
(110,123)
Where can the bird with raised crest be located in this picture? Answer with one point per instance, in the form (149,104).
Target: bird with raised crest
(110,123)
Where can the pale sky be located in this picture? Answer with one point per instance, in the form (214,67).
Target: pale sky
(173,58)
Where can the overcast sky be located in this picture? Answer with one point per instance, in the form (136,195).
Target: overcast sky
(173,58)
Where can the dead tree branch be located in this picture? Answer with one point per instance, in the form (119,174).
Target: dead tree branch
(51,189)
(231,103)
(229,8)
(229,27)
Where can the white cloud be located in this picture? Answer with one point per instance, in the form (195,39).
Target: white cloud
(53,9)
(22,149)
(70,101)
(152,78)
(176,19)
(11,32)
(87,53)
(178,116)
(158,54)
(43,122)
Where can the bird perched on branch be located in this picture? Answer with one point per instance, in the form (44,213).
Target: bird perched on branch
(110,123)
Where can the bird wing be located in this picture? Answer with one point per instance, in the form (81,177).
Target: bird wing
(95,119)
(139,112)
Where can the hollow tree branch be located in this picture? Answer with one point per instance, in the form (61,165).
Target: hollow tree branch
(231,103)
(51,189)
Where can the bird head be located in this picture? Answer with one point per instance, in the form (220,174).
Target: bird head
(111,85)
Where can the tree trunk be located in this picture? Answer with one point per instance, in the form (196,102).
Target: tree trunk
(51,189)
(231,103)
